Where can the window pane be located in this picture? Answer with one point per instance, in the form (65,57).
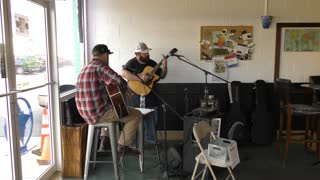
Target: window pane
(70,51)
(29,44)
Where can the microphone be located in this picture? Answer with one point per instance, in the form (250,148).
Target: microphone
(171,52)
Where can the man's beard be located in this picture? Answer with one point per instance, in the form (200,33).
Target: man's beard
(144,59)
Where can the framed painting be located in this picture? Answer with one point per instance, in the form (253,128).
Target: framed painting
(301,39)
(295,37)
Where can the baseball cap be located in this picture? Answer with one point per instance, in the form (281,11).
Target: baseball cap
(142,48)
(100,49)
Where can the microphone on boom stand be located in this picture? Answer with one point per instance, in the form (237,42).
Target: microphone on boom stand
(165,105)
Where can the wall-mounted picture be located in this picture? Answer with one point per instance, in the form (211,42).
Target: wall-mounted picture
(220,68)
(217,41)
(302,39)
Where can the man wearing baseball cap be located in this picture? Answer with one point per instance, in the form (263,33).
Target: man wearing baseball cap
(133,70)
(93,101)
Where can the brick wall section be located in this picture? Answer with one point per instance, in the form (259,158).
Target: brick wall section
(164,24)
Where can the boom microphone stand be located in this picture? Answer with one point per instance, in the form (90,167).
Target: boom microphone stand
(206,90)
(164,105)
(186,60)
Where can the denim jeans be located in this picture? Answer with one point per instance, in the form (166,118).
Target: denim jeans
(150,123)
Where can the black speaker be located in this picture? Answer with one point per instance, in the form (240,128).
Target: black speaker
(190,147)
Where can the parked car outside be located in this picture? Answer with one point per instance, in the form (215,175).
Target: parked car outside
(30,64)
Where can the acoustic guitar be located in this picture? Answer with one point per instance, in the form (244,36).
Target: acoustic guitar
(141,89)
(117,101)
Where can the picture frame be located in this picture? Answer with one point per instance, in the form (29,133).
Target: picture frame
(216,124)
(302,39)
(280,38)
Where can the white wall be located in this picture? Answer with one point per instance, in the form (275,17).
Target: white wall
(164,24)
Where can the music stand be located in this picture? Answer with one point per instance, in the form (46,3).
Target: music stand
(164,105)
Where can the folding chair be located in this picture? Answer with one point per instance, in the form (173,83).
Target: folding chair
(201,130)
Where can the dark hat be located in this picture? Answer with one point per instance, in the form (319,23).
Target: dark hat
(100,49)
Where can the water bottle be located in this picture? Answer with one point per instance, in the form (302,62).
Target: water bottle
(142,101)
(206,96)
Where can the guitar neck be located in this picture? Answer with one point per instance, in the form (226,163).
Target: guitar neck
(155,69)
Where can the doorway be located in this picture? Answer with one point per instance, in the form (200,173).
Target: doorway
(25,91)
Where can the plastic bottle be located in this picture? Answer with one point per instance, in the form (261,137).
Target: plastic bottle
(206,93)
(142,101)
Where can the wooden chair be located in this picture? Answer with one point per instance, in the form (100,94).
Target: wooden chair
(315,80)
(288,110)
(201,130)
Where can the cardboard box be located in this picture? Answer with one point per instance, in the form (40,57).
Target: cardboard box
(74,141)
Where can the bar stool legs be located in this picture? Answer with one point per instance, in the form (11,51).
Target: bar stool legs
(113,141)
(114,149)
(88,151)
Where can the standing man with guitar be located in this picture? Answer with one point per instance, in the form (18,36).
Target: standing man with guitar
(142,68)
(95,105)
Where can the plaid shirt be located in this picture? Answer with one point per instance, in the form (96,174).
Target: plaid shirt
(91,98)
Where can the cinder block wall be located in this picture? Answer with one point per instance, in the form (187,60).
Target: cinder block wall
(164,24)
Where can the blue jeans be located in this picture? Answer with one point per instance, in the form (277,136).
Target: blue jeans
(149,122)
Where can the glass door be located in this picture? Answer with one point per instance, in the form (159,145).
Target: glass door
(25,133)
(5,156)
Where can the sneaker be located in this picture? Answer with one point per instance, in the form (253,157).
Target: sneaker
(128,150)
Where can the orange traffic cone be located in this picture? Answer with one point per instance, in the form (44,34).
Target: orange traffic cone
(44,131)
(45,154)
(44,127)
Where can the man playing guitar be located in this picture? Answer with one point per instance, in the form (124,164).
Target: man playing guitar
(141,67)
(96,85)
